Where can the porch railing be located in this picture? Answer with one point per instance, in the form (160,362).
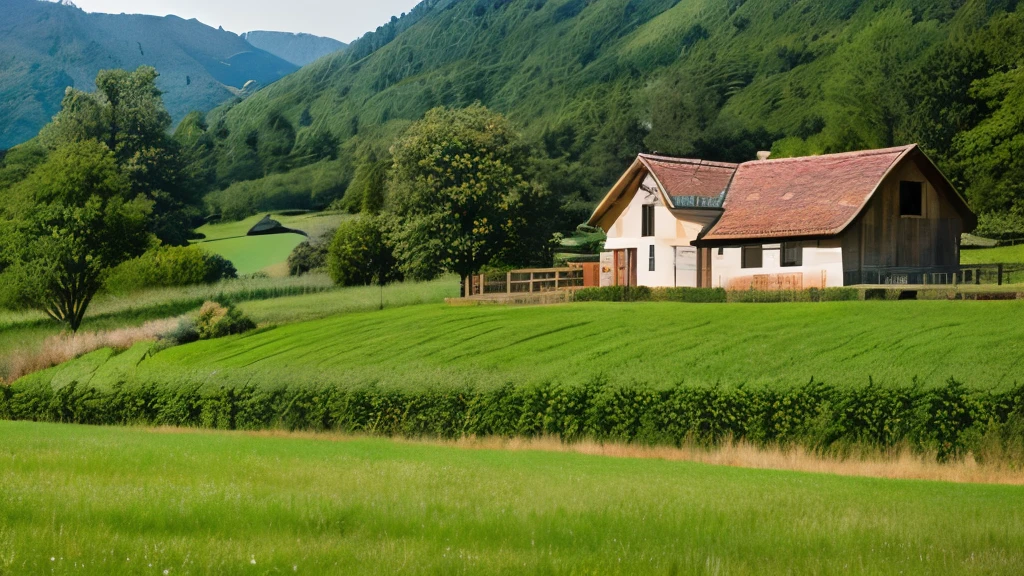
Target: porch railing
(525,281)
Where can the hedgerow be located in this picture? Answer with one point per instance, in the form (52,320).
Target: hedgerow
(712,295)
(949,421)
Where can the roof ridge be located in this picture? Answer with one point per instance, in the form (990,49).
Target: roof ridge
(694,161)
(850,154)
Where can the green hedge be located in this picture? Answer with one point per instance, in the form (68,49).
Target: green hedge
(809,295)
(645,294)
(948,420)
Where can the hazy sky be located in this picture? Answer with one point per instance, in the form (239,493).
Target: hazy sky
(344,20)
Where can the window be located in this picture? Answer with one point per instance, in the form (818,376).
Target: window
(911,199)
(721,251)
(792,254)
(752,257)
(651,259)
(647,226)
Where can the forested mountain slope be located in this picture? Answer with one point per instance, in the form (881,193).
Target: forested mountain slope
(592,82)
(46,47)
(299,49)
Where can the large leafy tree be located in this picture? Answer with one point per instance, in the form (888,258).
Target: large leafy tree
(126,113)
(459,186)
(68,223)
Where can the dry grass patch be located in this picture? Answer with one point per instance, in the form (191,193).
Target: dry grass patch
(900,464)
(68,346)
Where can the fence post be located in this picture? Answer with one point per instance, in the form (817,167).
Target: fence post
(1000,275)
(508,283)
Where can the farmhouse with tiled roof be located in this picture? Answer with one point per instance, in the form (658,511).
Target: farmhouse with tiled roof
(869,217)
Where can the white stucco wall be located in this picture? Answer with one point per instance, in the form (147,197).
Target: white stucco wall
(669,232)
(822,266)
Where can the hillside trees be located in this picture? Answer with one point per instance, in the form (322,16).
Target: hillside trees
(68,223)
(460,190)
(361,253)
(127,114)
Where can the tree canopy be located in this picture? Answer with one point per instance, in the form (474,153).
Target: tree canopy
(459,186)
(73,219)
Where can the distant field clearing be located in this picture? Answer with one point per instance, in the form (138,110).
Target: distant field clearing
(267,254)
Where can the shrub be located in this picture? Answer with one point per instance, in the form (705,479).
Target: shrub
(809,295)
(614,294)
(184,332)
(361,253)
(309,256)
(168,266)
(216,321)
(1000,226)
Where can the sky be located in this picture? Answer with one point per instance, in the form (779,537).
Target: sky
(343,20)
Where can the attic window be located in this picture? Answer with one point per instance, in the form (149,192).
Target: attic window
(911,199)
(753,257)
(647,226)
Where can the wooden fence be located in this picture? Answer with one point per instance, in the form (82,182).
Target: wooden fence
(529,281)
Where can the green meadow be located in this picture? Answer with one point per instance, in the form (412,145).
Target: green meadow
(980,344)
(265,300)
(1001,255)
(268,253)
(80,500)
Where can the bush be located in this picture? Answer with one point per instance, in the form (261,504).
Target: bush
(216,321)
(948,421)
(1000,226)
(167,266)
(614,294)
(361,254)
(809,295)
(309,256)
(185,332)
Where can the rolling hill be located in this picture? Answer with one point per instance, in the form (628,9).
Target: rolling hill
(299,49)
(46,47)
(592,83)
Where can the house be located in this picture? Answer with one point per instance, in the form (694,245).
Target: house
(870,217)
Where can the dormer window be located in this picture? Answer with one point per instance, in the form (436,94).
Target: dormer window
(647,226)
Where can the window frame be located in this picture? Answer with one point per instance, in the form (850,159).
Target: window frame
(744,264)
(799,246)
(920,200)
(647,221)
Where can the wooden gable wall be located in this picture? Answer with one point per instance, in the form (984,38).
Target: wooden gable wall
(881,238)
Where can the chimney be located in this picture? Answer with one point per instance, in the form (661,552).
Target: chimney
(764,155)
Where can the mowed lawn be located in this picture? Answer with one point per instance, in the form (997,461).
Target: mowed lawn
(79,500)
(1002,255)
(980,344)
(252,254)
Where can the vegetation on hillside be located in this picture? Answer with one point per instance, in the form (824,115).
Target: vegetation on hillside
(49,46)
(593,83)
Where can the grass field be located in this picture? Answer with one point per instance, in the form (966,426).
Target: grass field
(80,500)
(266,300)
(1003,255)
(981,344)
(267,254)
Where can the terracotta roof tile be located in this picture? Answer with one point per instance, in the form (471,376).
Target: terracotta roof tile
(685,177)
(808,196)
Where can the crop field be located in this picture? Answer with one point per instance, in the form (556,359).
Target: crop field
(81,500)
(267,254)
(1002,255)
(981,344)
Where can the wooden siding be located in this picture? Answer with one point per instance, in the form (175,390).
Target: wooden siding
(881,238)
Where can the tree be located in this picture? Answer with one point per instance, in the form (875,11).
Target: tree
(361,254)
(127,114)
(459,187)
(74,218)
